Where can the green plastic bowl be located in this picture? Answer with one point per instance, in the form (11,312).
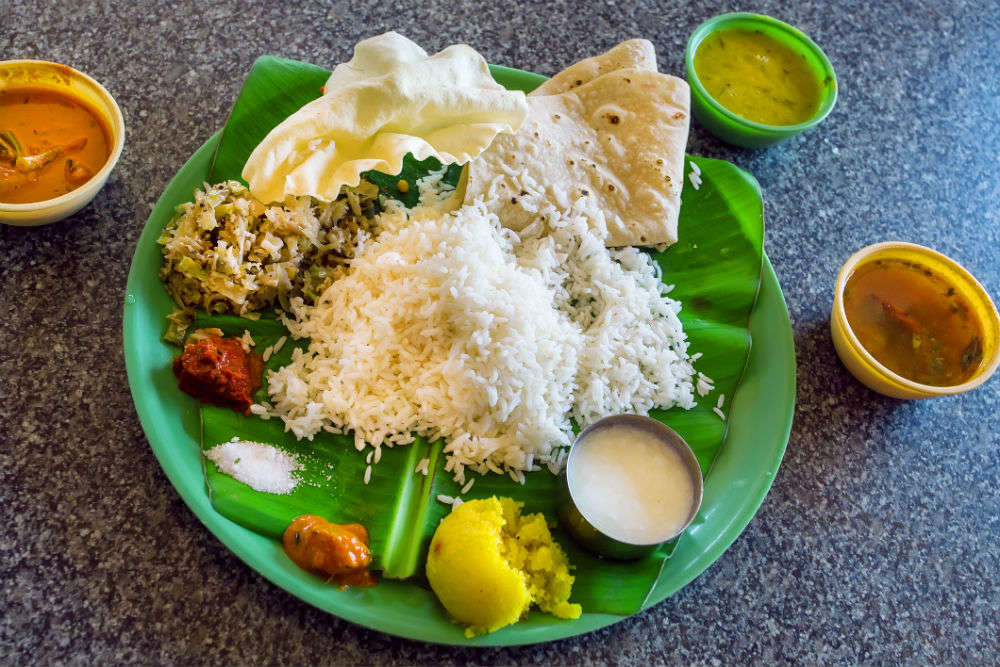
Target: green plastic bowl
(735,129)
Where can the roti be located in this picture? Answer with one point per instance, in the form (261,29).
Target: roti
(617,139)
(633,54)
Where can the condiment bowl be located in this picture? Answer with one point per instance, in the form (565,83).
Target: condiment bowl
(867,369)
(61,78)
(581,528)
(735,129)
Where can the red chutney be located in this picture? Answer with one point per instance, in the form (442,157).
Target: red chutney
(219,371)
(327,549)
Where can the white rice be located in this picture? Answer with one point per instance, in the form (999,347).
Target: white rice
(436,331)
(634,354)
(432,189)
(279,344)
(695,175)
(246,341)
(705,385)
(451,326)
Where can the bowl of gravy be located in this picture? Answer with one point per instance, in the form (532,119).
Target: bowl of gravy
(912,323)
(61,134)
(756,80)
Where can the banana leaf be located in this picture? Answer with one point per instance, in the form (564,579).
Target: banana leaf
(715,268)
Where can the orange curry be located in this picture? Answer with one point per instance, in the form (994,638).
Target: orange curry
(327,549)
(219,371)
(914,322)
(50,144)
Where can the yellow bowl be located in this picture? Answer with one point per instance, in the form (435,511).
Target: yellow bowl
(872,373)
(53,76)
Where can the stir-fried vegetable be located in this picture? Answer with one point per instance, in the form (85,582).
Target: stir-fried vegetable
(227,252)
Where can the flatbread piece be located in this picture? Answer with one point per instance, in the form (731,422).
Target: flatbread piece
(633,54)
(618,139)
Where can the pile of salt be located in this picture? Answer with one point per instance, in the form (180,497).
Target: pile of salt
(259,466)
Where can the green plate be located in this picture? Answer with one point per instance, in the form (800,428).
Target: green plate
(759,423)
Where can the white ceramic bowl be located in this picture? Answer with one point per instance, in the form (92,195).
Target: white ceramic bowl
(53,76)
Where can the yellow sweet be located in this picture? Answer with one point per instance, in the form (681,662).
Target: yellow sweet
(487,564)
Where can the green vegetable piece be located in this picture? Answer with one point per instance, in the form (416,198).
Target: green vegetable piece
(192,269)
(972,354)
(174,333)
(10,147)
(222,210)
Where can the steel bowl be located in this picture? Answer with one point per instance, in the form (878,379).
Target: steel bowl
(581,527)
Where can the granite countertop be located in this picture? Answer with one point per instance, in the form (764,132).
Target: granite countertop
(880,539)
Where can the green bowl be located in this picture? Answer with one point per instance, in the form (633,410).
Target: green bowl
(735,129)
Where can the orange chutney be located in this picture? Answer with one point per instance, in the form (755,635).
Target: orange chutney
(50,144)
(339,552)
(914,322)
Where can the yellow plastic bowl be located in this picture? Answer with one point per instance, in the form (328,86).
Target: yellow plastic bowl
(872,373)
(53,76)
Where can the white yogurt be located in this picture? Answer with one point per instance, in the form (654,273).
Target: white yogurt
(630,485)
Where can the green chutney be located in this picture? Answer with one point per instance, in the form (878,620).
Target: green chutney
(757,77)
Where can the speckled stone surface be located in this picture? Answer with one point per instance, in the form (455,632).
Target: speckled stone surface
(880,540)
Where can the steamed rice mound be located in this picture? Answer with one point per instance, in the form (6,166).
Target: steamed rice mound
(488,564)
(436,332)
(450,326)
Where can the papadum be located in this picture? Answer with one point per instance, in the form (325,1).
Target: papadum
(389,100)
